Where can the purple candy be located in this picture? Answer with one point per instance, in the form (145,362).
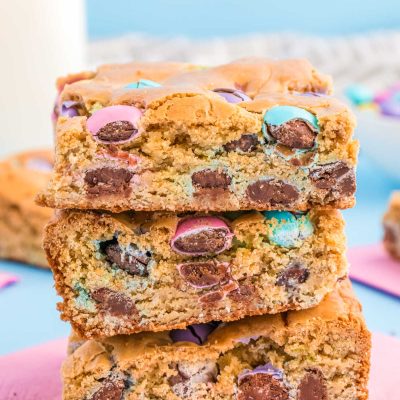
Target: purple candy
(262,369)
(68,109)
(196,333)
(390,107)
(232,95)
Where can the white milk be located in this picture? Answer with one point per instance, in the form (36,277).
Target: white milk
(39,41)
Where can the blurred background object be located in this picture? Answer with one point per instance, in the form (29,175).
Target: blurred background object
(39,41)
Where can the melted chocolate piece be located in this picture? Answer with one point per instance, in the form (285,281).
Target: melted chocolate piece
(132,260)
(205,241)
(243,294)
(246,143)
(110,389)
(272,193)
(108,181)
(210,298)
(116,131)
(210,179)
(262,387)
(313,387)
(114,303)
(294,274)
(204,274)
(336,177)
(296,134)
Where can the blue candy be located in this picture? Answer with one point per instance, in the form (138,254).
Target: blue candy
(287,229)
(142,84)
(359,94)
(279,115)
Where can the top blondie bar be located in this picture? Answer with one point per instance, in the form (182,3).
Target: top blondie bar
(253,134)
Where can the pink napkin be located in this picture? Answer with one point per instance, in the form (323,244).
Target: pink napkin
(33,374)
(7,279)
(372,266)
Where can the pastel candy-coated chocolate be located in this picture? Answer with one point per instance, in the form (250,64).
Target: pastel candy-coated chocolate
(68,109)
(306,227)
(232,95)
(391,108)
(196,333)
(110,114)
(193,225)
(142,84)
(279,115)
(287,229)
(359,94)
(262,369)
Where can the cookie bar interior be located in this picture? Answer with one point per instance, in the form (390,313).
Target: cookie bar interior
(129,272)
(21,220)
(321,353)
(253,134)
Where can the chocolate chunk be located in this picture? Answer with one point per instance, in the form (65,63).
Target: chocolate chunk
(295,274)
(116,131)
(210,298)
(205,241)
(262,387)
(271,192)
(191,373)
(336,177)
(204,274)
(114,303)
(130,260)
(106,181)
(177,379)
(313,387)
(296,134)
(243,294)
(210,179)
(246,143)
(110,389)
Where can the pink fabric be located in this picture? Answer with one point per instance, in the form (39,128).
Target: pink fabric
(34,374)
(385,368)
(372,266)
(7,279)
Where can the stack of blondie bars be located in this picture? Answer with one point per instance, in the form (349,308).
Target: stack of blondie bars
(197,245)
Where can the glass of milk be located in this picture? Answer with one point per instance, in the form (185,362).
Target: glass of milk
(39,41)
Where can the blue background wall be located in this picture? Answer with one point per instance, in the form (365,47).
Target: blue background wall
(209,18)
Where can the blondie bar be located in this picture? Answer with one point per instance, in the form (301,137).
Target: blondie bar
(141,271)
(21,220)
(391,226)
(316,354)
(253,134)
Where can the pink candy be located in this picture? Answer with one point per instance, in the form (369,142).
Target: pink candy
(195,236)
(112,114)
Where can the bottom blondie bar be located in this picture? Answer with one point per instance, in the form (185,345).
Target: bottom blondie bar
(391,226)
(316,354)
